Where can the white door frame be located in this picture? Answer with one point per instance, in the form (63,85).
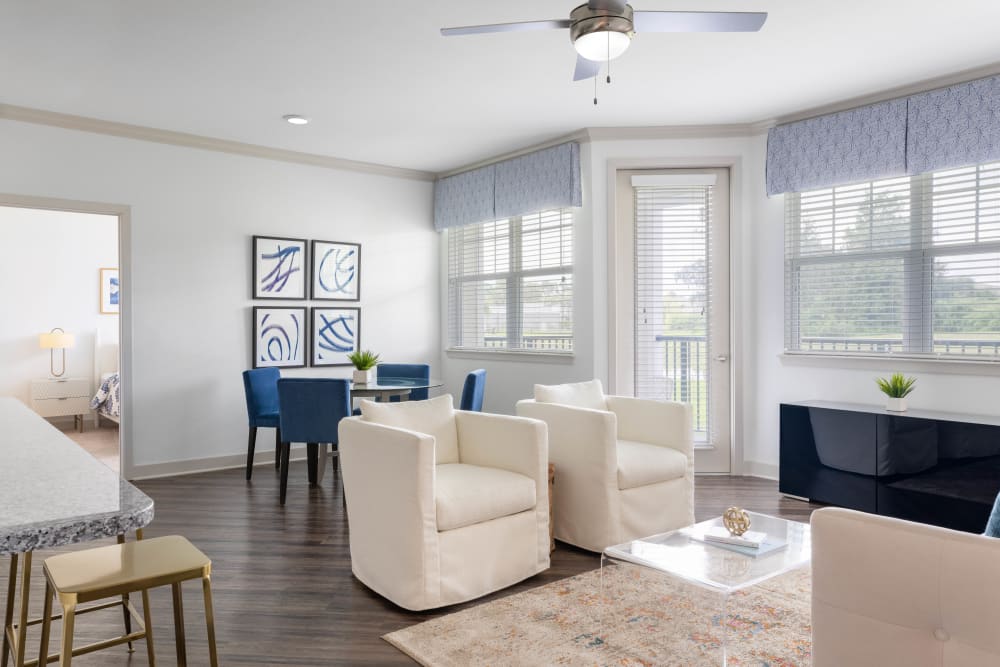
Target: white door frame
(124,215)
(735,165)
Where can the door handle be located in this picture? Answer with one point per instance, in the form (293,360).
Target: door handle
(722,358)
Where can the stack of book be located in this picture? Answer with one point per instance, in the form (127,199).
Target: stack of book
(750,543)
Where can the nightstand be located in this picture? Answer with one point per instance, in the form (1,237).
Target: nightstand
(62,398)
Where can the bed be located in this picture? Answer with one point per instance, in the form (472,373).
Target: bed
(106,402)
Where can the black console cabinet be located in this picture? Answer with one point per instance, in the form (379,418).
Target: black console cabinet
(921,465)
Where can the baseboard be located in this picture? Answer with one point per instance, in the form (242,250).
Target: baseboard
(212,463)
(758,469)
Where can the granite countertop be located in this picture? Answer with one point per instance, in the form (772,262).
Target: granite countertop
(52,492)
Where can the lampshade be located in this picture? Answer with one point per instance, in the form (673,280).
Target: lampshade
(602,45)
(56,340)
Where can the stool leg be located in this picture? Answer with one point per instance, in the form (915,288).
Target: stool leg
(206,584)
(43,644)
(179,625)
(66,650)
(8,615)
(286,448)
(22,626)
(125,611)
(147,619)
(250,447)
(277,448)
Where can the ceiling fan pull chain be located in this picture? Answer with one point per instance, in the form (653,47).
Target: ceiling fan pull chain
(595,91)
(609,58)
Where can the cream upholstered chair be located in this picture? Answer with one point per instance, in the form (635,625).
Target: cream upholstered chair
(624,467)
(444,505)
(889,592)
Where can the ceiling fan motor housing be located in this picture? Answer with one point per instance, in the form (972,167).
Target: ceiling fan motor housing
(586,21)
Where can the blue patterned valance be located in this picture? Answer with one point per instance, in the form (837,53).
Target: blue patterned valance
(954,127)
(949,127)
(539,181)
(857,145)
(545,179)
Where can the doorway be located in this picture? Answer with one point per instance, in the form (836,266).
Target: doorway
(672,298)
(61,342)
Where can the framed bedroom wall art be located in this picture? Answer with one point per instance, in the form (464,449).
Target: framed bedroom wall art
(336,271)
(279,268)
(336,332)
(109,291)
(279,337)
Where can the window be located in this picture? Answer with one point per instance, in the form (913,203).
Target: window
(905,266)
(510,284)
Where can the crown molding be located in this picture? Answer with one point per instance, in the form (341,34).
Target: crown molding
(915,88)
(142,133)
(653,132)
(578,136)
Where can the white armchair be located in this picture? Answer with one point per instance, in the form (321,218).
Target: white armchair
(889,592)
(624,466)
(444,506)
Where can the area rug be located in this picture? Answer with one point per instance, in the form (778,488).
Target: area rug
(632,616)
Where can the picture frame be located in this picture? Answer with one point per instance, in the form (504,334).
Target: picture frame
(335,332)
(336,271)
(279,268)
(280,336)
(110,291)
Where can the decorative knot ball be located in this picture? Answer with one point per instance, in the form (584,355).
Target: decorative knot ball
(736,520)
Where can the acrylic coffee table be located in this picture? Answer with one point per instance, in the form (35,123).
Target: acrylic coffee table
(718,571)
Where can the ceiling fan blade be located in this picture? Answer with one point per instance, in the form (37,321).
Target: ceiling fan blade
(614,6)
(585,69)
(521,26)
(698,21)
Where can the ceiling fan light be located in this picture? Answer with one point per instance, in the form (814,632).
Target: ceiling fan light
(602,45)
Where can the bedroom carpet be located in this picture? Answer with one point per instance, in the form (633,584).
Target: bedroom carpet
(642,618)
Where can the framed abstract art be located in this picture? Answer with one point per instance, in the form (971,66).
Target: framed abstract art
(109,292)
(336,271)
(279,337)
(336,332)
(279,268)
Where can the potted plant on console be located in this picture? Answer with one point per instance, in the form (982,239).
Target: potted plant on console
(896,387)
(364,364)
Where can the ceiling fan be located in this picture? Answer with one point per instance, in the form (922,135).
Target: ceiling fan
(601,30)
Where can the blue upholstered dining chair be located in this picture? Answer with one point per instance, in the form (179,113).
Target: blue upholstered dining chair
(408,371)
(310,410)
(261,388)
(473,391)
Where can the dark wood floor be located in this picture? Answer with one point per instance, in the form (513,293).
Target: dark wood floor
(284,594)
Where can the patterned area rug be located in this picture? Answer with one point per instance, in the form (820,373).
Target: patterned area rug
(630,616)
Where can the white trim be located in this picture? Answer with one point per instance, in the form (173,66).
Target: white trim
(654,132)
(896,361)
(758,469)
(142,133)
(512,355)
(126,431)
(675,180)
(210,464)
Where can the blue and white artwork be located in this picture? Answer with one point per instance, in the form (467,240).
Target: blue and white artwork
(279,337)
(279,268)
(109,291)
(336,271)
(336,332)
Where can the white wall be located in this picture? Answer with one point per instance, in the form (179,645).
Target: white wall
(50,274)
(193,213)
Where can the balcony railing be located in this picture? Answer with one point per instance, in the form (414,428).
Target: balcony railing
(541,342)
(685,365)
(949,346)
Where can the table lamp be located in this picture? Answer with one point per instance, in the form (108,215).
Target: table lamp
(57,339)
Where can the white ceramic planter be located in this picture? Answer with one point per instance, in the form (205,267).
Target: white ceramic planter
(364,377)
(895,404)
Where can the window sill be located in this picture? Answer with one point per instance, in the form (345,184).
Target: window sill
(894,362)
(547,357)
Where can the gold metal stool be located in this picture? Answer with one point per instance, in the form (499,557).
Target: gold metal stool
(96,574)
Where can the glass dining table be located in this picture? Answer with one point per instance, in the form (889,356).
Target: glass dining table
(385,388)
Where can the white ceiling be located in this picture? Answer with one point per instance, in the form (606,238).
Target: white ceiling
(381,85)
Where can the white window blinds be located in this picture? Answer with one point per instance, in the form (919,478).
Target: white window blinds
(510,284)
(905,266)
(673,238)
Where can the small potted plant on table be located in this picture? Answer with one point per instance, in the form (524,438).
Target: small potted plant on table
(896,387)
(364,364)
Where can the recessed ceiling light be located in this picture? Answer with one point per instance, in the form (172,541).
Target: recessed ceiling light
(295,119)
